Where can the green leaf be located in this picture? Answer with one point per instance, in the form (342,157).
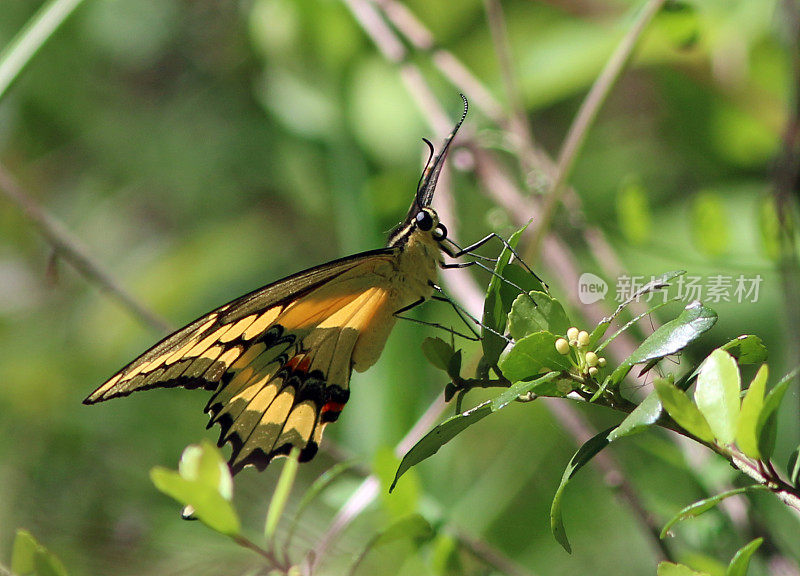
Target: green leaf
(281,495)
(753,402)
(710,224)
(793,467)
(643,416)
(445,560)
(680,23)
(495,310)
(669,338)
(717,394)
(23,553)
(28,557)
(584,454)
(770,226)
(633,213)
(656,284)
(438,352)
(676,334)
(47,564)
(535,312)
(747,349)
(203,485)
(429,444)
(682,410)
(404,499)
(203,463)
(741,560)
(768,418)
(697,508)
(532,356)
(454,366)
(672,569)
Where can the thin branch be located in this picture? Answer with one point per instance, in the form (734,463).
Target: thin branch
(451,67)
(586,116)
(517,122)
(31,38)
(270,557)
(72,250)
(491,556)
(786,180)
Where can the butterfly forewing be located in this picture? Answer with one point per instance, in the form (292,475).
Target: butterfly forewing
(279,359)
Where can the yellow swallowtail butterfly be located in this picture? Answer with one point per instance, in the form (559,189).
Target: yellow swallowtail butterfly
(279,359)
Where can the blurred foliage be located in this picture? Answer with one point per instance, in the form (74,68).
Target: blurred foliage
(203,148)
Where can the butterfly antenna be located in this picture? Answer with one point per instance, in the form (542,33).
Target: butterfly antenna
(431,152)
(427,184)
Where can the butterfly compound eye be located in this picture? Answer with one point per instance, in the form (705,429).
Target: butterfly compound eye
(424,220)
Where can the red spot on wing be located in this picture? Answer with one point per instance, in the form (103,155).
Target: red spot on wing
(300,363)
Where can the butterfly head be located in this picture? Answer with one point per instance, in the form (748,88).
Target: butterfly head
(421,217)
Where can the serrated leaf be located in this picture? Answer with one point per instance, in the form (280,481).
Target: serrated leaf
(753,402)
(281,494)
(209,506)
(683,411)
(535,312)
(438,352)
(672,569)
(768,418)
(532,356)
(701,506)
(741,560)
(643,416)
(747,349)
(584,454)
(717,394)
(429,444)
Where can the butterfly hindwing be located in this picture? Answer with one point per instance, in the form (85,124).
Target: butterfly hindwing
(289,388)
(278,359)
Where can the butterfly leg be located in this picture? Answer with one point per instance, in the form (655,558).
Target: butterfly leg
(453,265)
(442,297)
(474,338)
(459,251)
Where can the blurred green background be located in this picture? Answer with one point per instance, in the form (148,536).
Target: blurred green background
(201,149)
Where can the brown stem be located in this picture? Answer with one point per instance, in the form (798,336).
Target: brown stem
(75,253)
(270,557)
(586,116)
